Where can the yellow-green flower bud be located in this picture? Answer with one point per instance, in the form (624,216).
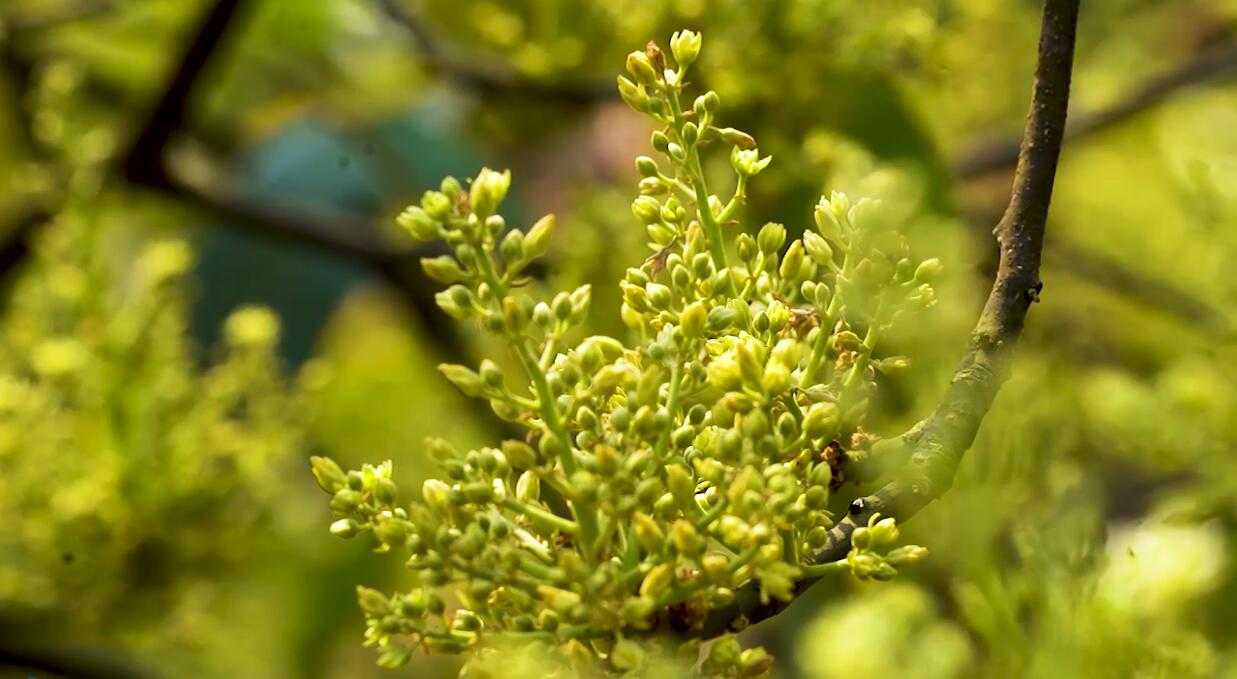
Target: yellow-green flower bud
(693,320)
(633,94)
(488,191)
(652,538)
(734,531)
(560,600)
(749,365)
(520,454)
(389,531)
(754,661)
(736,138)
(372,601)
(346,500)
(778,315)
(512,247)
(418,223)
(861,538)
(444,269)
(682,485)
(659,296)
(657,581)
(721,317)
(640,68)
(345,528)
(748,162)
(446,301)
(646,209)
(885,531)
(928,270)
(491,374)
(776,379)
(685,46)
(725,652)
(818,248)
(328,473)
(628,656)
(827,220)
(660,234)
(385,490)
(690,134)
(716,567)
(437,205)
(822,420)
(724,373)
(771,237)
(538,237)
(792,262)
(515,316)
(660,141)
(465,379)
(906,555)
(686,539)
(637,611)
(528,487)
(434,494)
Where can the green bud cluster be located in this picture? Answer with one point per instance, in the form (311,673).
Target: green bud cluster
(655,476)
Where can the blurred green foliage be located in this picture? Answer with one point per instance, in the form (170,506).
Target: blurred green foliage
(1091,532)
(133,470)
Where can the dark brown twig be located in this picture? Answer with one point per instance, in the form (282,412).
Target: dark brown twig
(68,663)
(144,163)
(936,444)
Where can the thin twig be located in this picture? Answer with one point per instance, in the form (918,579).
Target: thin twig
(936,444)
(490,77)
(1217,64)
(1097,268)
(39,21)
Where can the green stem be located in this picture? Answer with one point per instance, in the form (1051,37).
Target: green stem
(545,396)
(861,361)
(708,517)
(790,545)
(712,230)
(546,519)
(740,194)
(820,569)
(672,406)
(631,553)
(547,573)
(822,340)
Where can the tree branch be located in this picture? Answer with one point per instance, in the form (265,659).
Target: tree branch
(993,155)
(493,78)
(68,663)
(1097,268)
(936,444)
(34,21)
(144,163)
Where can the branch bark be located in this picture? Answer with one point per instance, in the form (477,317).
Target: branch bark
(936,444)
